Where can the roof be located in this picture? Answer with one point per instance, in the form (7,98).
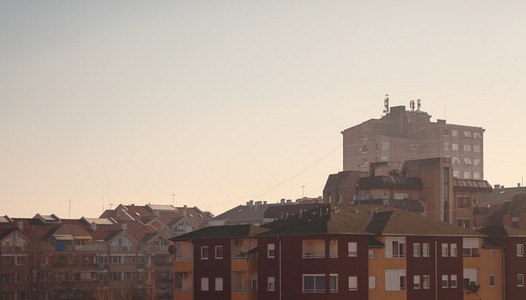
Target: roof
(5,220)
(472,185)
(99,221)
(399,222)
(405,204)
(390,182)
(499,195)
(502,231)
(226,231)
(418,165)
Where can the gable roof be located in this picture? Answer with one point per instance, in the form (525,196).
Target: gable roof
(226,231)
(502,231)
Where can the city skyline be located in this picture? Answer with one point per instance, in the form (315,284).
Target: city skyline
(223,103)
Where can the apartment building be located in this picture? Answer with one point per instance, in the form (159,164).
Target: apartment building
(341,252)
(126,257)
(402,135)
(425,186)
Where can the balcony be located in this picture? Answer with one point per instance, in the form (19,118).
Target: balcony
(313,249)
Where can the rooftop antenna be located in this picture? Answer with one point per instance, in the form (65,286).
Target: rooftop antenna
(386,104)
(418,104)
(303,187)
(412,105)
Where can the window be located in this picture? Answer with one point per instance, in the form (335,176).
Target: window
(219,252)
(253,284)
(352,249)
(416,281)
(467,148)
(445,281)
(520,279)
(219,284)
(372,253)
(467,134)
(454,146)
(425,282)
(462,201)
(467,161)
(416,250)
(467,174)
(271,283)
(313,248)
(453,280)
(446,146)
(271,251)
(395,247)
(471,277)
(476,161)
(476,148)
(520,250)
(476,175)
(364,149)
(372,282)
(401,196)
(454,133)
(464,223)
(204,252)
(492,280)
(385,146)
(444,249)
(395,280)
(204,283)
(456,173)
(333,248)
(314,283)
(425,249)
(453,249)
(477,135)
(470,247)
(353,283)
(333,283)
(492,254)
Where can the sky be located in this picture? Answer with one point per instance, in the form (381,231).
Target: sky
(215,103)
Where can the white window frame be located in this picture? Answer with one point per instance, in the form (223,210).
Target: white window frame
(218,284)
(335,278)
(316,290)
(416,250)
(445,281)
(271,250)
(204,284)
(216,252)
(416,282)
(453,282)
(454,251)
(426,278)
(372,282)
(445,248)
(333,248)
(395,280)
(204,252)
(353,283)
(271,283)
(520,280)
(520,250)
(352,249)
(425,249)
(400,245)
(493,278)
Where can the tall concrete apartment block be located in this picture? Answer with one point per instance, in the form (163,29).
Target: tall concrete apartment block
(402,135)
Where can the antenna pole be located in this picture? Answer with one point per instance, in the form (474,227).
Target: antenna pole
(303,187)
(173,200)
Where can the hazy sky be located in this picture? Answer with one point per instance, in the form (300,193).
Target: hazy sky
(220,102)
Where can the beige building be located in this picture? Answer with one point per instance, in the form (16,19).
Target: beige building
(402,135)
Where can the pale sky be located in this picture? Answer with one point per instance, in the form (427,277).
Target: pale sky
(221,102)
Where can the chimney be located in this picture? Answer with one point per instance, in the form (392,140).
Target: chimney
(94,227)
(124,226)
